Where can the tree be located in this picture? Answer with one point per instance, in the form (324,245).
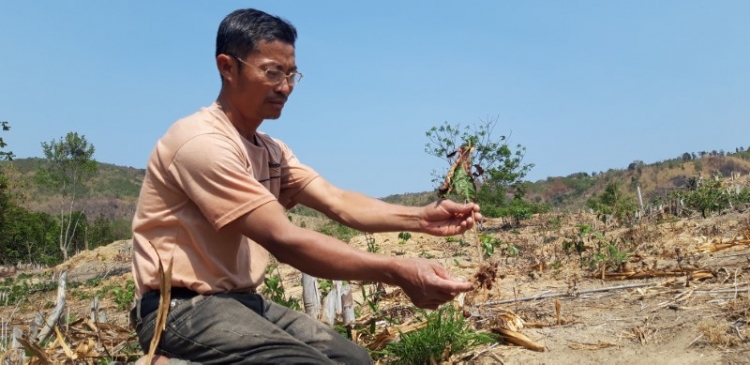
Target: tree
(5,155)
(498,170)
(6,203)
(612,202)
(29,237)
(706,195)
(68,165)
(24,235)
(100,232)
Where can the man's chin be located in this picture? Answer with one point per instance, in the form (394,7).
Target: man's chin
(273,115)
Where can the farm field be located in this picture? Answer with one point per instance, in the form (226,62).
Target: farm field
(672,292)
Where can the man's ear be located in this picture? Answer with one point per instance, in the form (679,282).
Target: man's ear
(227,66)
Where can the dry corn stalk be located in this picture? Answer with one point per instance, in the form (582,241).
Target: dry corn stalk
(694,274)
(61,341)
(508,320)
(36,350)
(590,346)
(507,324)
(519,339)
(390,334)
(713,247)
(165,295)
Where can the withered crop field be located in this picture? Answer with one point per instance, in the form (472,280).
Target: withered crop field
(560,288)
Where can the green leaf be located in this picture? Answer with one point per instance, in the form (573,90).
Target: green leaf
(463,185)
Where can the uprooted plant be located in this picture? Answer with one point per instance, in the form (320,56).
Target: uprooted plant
(459,181)
(483,168)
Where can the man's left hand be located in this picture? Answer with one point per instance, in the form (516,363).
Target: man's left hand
(448,218)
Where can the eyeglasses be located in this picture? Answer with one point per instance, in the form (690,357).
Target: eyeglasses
(276,76)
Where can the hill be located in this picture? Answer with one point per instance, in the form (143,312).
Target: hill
(114,190)
(655,180)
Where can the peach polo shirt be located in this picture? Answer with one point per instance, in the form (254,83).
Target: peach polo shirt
(201,176)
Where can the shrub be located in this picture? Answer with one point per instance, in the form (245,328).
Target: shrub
(338,230)
(446,333)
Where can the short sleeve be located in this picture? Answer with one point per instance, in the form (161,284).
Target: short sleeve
(217,177)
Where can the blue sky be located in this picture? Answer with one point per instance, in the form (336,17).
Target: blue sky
(584,85)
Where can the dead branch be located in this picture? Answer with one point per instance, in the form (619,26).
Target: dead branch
(693,274)
(35,349)
(49,324)
(311,295)
(557,295)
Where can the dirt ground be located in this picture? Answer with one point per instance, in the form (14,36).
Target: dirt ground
(681,298)
(692,310)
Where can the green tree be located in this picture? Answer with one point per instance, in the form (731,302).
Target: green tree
(24,235)
(706,195)
(68,165)
(499,170)
(6,201)
(612,202)
(5,155)
(79,239)
(100,231)
(519,209)
(29,237)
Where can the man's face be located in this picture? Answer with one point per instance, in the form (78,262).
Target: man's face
(253,94)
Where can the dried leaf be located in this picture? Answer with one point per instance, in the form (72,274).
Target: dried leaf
(36,350)
(64,346)
(508,320)
(165,291)
(519,339)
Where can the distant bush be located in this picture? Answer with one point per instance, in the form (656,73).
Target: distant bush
(711,195)
(612,202)
(338,230)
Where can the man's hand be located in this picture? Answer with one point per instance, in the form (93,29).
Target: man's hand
(427,283)
(448,218)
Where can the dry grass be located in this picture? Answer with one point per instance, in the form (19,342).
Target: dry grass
(719,333)
(699,291)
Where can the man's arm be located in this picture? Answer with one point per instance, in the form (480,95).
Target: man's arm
(442,218)
(426,282)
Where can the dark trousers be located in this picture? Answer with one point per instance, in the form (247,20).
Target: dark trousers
(229,328)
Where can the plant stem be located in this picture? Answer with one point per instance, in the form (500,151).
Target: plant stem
(480,254)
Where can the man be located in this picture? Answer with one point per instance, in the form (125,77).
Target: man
(213,202)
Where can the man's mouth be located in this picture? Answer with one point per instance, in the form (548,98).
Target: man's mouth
(278,103)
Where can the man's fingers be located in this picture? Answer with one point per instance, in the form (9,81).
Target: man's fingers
(452,286)
(449,283)
(465,208)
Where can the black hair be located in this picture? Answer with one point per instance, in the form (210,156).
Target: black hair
(242,30)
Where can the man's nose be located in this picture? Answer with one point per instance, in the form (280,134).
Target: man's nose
(284,87)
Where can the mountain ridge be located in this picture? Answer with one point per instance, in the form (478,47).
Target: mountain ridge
(113,191)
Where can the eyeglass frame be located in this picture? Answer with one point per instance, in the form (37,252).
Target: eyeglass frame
(288,77)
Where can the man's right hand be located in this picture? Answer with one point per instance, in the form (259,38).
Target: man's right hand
(427,284)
